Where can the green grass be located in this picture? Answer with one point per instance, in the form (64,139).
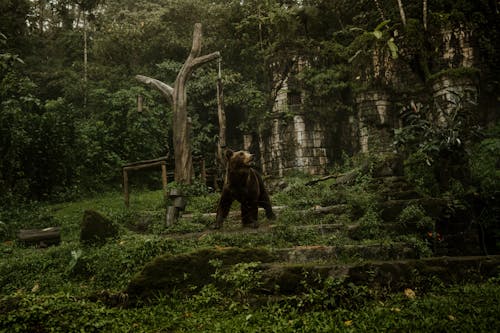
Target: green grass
(468,308)
(70,287)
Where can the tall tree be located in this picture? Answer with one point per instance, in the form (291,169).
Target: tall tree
(177,96)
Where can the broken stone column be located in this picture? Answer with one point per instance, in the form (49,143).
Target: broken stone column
(178,205)
(375,122)
(452,94)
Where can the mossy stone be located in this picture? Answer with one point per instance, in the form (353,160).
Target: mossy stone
(182,272)
(96,228)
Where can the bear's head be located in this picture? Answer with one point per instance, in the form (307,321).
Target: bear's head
(239,159)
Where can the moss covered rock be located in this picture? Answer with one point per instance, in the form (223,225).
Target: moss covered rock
(184,271)
(96,228)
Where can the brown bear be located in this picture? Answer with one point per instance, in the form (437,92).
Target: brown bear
(243,183)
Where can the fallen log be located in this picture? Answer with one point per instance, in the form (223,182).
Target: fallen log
(40,237)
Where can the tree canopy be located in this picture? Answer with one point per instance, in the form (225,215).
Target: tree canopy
(68,112)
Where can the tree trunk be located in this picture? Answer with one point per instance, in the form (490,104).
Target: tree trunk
(424,14)
(178,98)
(85,51)
(40,237)
(222,120)
(402,12)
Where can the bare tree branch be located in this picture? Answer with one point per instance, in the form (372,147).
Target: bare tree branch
(203,59)
(164,88)
(196,46)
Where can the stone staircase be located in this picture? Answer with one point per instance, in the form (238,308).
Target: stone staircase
(300,244)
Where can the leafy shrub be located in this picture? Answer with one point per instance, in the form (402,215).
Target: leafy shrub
(238,280)
(203,203)
(298,195)
(485,164)
(370,225)
(434,142)
(416,215)
(360,197)
(24,216)
(197,188)
(420,173)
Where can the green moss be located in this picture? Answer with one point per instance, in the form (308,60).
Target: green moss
(456,73)
(168,273)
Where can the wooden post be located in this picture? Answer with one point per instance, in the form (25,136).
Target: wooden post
(125,187)
(162,161)
(164,178)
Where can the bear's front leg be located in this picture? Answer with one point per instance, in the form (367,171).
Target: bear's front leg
(223,208)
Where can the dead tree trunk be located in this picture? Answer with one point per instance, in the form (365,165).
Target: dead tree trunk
(40,237)
(178,98)
(424,13)
(402,12)
(222,120)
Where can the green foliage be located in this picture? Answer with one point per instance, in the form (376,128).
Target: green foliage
(24,216)
(45,288)
(484,162)
(198,224)
(197,188)
(71,268)
(434,141)
(365,41)
(238,280)
(63,136)
(285,235)
(422,247)
(419,172)
(203,203)
(415,215)
(298,195)
(329,309)
(370,225)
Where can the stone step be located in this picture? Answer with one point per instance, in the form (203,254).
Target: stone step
(323,253)
(236,229)
(232,214)
(400,195)
(390,209)
(394,275)
(318,210)
(186,272)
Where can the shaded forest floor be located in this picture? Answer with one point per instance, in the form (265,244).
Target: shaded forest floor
(327,263)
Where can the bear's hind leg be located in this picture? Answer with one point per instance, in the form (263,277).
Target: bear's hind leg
(249,215)
(265,203)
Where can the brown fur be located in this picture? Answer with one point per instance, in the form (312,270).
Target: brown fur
(244,184)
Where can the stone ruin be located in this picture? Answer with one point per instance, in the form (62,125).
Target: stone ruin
(297,141)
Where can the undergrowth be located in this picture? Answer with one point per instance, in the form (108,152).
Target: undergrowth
(466,308)
(63,288)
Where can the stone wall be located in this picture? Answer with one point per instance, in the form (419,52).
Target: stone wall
(293,143)
(452,93)
(297,141)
